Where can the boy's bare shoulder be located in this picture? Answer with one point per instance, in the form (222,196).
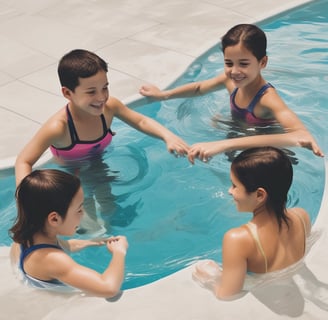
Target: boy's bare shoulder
(56,126)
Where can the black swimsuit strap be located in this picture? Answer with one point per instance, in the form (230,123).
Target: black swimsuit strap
(254,101)
(72,130)
(71,127)
(103,120)
(257,97)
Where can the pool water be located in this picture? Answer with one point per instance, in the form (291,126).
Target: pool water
(174,213)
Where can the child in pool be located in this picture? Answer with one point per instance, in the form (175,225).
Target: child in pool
(82,128)
(275,237)
(252,99)
(50,204)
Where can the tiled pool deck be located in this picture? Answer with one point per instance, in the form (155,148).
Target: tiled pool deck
(144,41)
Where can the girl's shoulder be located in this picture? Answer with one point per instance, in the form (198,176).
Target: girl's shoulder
(302,214)
(271,99)
(239,238)
(54,261)
(297,211)
(237,233)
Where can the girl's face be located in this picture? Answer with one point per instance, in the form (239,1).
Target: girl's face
(241,66)
(245,201)
(91,94)
(69,225)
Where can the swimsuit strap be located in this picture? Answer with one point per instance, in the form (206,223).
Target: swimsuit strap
(72,130)
(103,120)
(257,97)
(233,95)
(71,127)
(26,251)
(253,230)
(304,227)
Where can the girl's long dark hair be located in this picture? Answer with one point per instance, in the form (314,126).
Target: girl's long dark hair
(40,193)
(268,168)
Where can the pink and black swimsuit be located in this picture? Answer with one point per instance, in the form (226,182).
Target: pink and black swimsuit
(82,149)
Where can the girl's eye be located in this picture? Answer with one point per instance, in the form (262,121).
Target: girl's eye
(91,93)
(228,64)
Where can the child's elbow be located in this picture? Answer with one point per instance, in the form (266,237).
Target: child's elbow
(107,293)
(113,293)
(111,290)
(228,296)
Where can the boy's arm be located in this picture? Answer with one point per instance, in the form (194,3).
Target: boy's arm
(184,91)
(148,126)
(34,149)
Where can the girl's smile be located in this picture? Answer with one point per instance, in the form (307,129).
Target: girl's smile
(241,66)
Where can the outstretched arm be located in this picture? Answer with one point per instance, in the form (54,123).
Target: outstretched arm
(47,135)
(204,151)
(295,135)
(184,91)
(148,126)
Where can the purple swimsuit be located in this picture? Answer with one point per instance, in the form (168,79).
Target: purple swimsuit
(248,113)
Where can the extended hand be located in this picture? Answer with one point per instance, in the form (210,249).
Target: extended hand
(151,91)
(204,151)
(311,145)
(177,146)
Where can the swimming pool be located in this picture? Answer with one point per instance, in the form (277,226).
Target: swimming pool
(183,211)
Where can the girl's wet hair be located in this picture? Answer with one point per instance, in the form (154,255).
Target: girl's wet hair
(268,168)
(77,64)
(40,193)
(250,36)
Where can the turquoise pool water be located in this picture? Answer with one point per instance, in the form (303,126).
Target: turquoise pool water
(174,213)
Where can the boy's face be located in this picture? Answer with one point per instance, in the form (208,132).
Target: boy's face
(91,94)
(241,66)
